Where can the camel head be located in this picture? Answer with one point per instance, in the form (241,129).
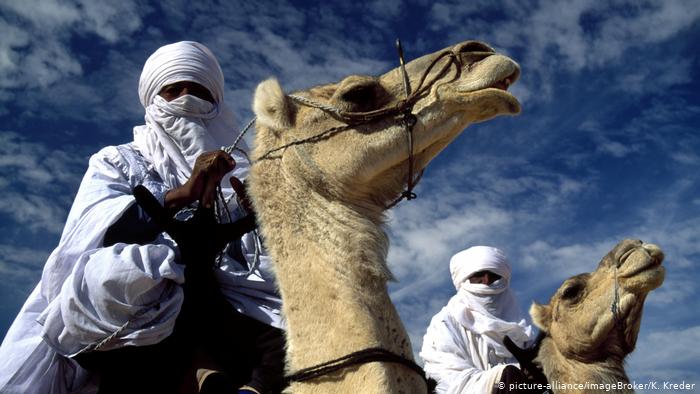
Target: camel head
(579,318)
(364,161)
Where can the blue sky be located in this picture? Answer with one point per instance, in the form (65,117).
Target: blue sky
(607,146)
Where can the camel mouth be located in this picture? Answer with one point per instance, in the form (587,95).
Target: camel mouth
(502,84)
(653,264)
(505,83)
(646,257)
(496,72)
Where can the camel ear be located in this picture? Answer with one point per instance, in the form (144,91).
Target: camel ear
(271,106)
(541,315)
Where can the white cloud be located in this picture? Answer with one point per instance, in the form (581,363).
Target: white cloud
(110,20)
(687,158)
(655,77)
(20,268)
(34,212)
(24,63)
(653,23)
(37,181)
(21,258)
(37,53)
(51,15)
(552,37)
(564,261)
(107,19)
(674,290)
(616,149)
(667,355)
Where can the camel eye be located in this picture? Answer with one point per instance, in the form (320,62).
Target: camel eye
(359,94)
(572,292)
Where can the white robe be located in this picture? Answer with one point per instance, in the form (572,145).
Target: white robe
(107,297)
(463,347)
(458,359)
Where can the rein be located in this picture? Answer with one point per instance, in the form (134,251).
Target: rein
(358,358)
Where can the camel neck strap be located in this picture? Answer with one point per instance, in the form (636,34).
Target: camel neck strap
(357,358)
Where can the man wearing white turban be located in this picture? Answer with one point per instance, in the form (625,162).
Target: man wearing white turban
(463,347)
(114,283)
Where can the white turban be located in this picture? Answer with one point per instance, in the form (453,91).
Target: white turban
(489,310)
(181,61)
(177,132)
(478,258)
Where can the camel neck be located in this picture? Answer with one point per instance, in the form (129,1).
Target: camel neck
(571,376)
(330,264)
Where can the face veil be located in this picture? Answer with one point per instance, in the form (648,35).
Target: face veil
(178,131)
(489,310)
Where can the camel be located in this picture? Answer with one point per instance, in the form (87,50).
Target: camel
(591,323)
(327,163)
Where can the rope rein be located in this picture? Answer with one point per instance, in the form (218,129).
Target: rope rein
(615,306)
(360,357)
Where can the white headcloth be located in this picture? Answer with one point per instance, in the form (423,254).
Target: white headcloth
(177,132)
(181,61)
(489,310)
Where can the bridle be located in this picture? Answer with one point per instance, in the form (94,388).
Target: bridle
(402,112)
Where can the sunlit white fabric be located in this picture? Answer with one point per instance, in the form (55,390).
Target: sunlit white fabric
(128,294)
(462,347)
(181,61)
(72,293)
(488,310)
(178,131)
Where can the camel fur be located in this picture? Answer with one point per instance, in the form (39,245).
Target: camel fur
(584,341)
(321,204)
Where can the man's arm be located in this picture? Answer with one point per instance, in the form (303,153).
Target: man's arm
(95,287)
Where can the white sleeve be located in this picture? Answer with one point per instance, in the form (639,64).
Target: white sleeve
(108,296)
(116,296)
(91,294)
(447,360)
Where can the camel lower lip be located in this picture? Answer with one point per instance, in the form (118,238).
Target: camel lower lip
(650,265)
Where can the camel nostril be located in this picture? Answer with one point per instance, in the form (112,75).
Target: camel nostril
(654,252)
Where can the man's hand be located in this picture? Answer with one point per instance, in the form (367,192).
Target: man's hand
(209,169)
(242,193)
(526,359)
